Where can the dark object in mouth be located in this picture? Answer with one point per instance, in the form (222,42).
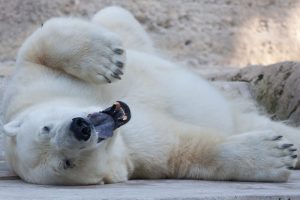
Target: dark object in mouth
(106,121)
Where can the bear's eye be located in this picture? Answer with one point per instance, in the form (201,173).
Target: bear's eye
(46,129)
(68,164)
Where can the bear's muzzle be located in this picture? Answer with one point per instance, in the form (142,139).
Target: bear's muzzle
(104,123)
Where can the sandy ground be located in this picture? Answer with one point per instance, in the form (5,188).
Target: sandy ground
(199,33)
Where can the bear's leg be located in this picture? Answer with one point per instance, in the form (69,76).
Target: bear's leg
(252,156)
(123,23)
(76,47)
(253,121)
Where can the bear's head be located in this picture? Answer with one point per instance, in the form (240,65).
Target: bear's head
(66,145)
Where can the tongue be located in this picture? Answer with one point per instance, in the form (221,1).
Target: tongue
(106,121)
(103,123)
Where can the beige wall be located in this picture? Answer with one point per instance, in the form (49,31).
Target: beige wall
(200,32)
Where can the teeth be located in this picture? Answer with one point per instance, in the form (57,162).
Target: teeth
(106,121)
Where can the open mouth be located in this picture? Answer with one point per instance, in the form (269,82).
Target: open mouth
(106,121)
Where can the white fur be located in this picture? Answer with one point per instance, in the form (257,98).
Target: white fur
(181,126)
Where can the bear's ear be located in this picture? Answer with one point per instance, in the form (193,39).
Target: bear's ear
(12,128)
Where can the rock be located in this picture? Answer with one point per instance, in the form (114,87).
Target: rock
(276,87)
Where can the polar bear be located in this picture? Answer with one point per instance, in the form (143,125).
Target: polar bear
(181,126)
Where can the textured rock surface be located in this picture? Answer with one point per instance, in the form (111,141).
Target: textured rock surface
(276,87)
(200,33)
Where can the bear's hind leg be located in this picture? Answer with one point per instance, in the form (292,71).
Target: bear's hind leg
(253,122)
(123,23)
(258,156)
(252,156)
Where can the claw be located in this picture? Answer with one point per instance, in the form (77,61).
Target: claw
(120,64)
(284,146)
(292,150)
(116,76)
(119,51)
(278,137)
(119,72)
(107,79)
(294,156)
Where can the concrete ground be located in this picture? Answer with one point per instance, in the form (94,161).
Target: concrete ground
(154,189)
(12,188)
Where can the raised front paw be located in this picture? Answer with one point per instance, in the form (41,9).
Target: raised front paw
(103,56)
(112,69)
(111,61)
(79,48)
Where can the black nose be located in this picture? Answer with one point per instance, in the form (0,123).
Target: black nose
(81,128)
